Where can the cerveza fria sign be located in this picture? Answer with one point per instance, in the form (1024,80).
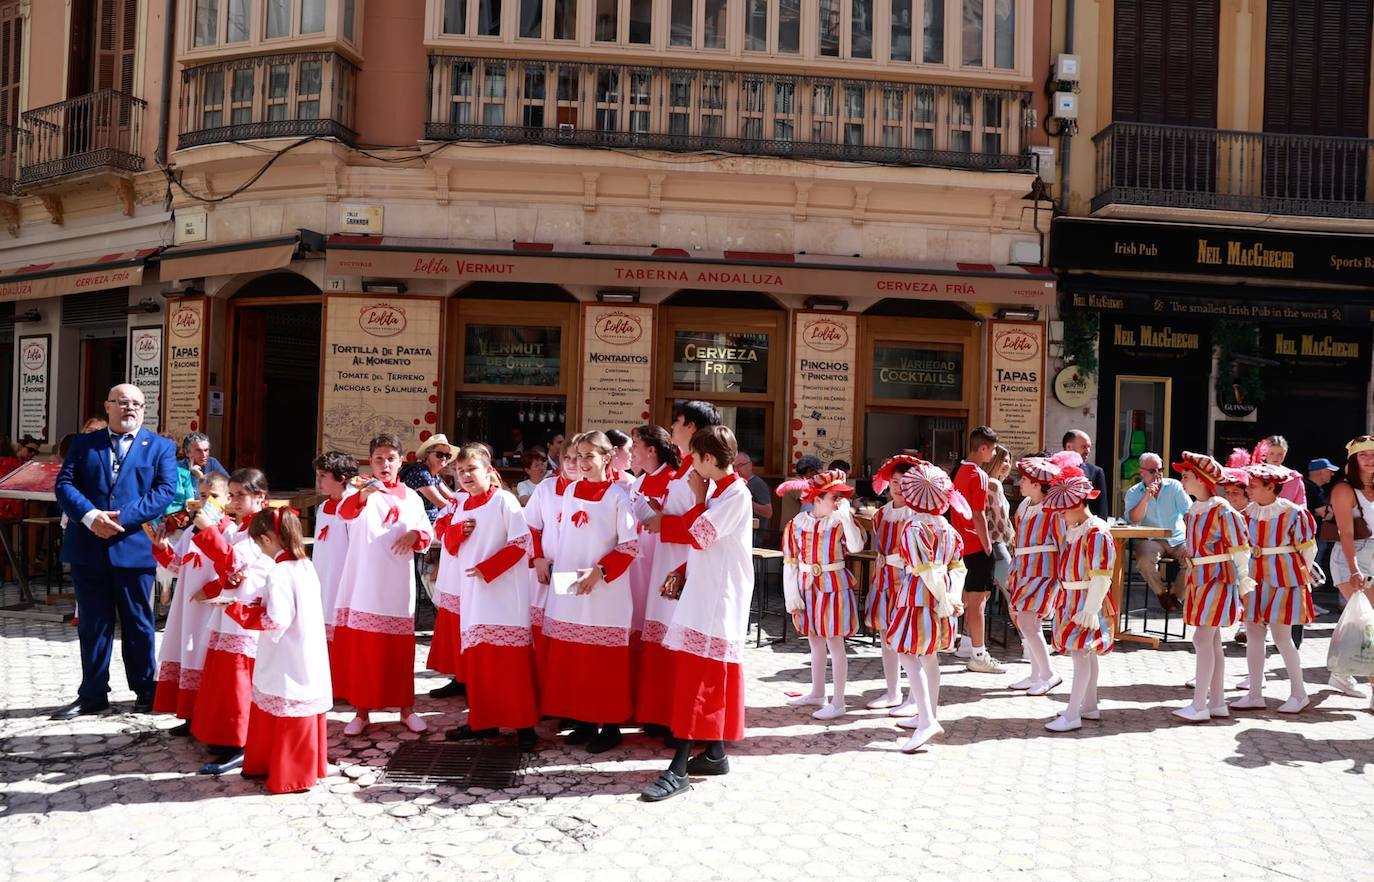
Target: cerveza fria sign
(1091,244)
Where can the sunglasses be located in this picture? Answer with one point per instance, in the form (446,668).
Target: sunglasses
(441,455)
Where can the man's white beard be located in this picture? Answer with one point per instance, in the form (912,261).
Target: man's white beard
(126,425)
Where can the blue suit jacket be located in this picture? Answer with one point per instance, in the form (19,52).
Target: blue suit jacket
(146,483)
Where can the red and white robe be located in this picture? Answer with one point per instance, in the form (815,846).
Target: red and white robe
(287,741)
(181,657)
(374,616)
(922,620)
(224,702)
(498,653)
(647,496)
(543,513)
(711,619)
(815,579)
(653,699)
(888,523)
(328,555)
(585,671)
(1283,537)
(446,645)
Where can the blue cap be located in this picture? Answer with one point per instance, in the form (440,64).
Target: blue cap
(1321,464)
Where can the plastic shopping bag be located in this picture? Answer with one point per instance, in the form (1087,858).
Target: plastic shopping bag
(1352,644)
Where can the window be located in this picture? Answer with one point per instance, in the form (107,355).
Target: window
(784,110)
(489,18)
(860,28)
(971,29)
(532,101)
(641,21)
(822,112)
(236,30)
(854,100)
(901,30)
(756,25)
(494,95)
(308,90)
(987,33)
(349,19)
(540,20)
(207,22)
(829,12)
(715,24)
(961,122)
(751,91)
(241,99)
(278,18)
(713,105)
(278,86)
(460,92)
(698,24)
(312,16)
(894,114)
(455,16)
(505,355)
(720,361)
(212,114)
(680,103)
(607,21)
(681,30)
(641,87)
(789,26)
(933,32)
(1003,34)
(607,99)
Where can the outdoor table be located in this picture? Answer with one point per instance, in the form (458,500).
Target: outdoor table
(1122,536)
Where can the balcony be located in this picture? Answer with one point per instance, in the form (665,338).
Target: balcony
(99,131)
(1220,170)
(268,96)
(586,104)
(12,141)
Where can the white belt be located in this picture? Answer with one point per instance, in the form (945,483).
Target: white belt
(1075,586)
(1210,559)
(1035,549)
(1280,549)
(893,560)
(816,569)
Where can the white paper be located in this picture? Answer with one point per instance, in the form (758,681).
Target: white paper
(563,582)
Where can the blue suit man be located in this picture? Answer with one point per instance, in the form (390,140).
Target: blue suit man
(111,483)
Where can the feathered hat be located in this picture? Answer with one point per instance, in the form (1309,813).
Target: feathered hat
(1236,477)
(1066,458)
(816,486)
(1239,458)
(884,475)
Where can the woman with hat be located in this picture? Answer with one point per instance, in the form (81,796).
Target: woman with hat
(817,586)
(1034,590)
(423,475)
(929,598)
(1084,610)
(1218,548)
(1352,561)
(1283,538)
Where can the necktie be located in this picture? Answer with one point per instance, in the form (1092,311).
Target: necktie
(121,446)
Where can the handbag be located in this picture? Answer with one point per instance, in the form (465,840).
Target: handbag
(1328,532)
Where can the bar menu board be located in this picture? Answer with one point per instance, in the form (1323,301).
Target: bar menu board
(1016,385)
(380,370)
(617,365)
(823,385)
(931,373)
(145,371)
(35,373)
(184,377)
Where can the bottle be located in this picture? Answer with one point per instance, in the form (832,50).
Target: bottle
(1130,466)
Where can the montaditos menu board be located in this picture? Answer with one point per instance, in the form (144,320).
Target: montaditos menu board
(1016,385)
(184,378)
(381,370)
(617,365)
(823,385)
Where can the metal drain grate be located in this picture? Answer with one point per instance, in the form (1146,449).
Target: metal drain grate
(472,764)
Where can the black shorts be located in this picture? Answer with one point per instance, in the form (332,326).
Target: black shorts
(979,565)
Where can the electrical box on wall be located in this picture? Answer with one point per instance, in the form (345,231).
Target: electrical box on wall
(1065,105)
(1066,68)
(1044,163)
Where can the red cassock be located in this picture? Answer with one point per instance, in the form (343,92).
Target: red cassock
(667,577)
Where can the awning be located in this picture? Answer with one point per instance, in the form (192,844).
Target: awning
(629,266)
(248,256)
(55,279)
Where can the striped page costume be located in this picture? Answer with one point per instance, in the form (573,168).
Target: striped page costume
(816,548)
(1087,552)
(1213,532)
(888,523)
(928,543)
(1282,536)
(1034,587)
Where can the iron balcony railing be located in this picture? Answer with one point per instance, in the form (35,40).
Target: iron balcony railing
(97,130)
(589,104)
(1182,167)
(268,96)
(13,141)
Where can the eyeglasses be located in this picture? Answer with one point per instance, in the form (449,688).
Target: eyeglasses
(441,455)
(128,403)
(1151,471)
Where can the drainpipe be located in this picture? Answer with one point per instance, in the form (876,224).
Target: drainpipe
(1066,147)
(168,54)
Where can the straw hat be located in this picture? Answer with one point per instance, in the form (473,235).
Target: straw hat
(432,441)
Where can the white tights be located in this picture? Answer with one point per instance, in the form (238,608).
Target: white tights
(839,667)
(1254,658)
(1208,691)
(1083,692)
(1033,639)
(892,673)
(923,681)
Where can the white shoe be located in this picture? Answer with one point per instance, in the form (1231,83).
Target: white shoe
(921,736)
(882,702)
(1298,703)
(982,663)
(1346,685)
(1219,711)
(355,727)
(1248,703)
(904,710)
(910,723)
(829,712)
(1244,684)
(806,701)
(1064,724)
(1093,714)
(415,723)
(1023,684)
(964,649)
(1190,714)
(1044,686)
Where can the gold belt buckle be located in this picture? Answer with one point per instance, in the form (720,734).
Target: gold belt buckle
(816,569)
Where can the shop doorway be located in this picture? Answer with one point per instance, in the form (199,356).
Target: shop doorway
(274,394)
(102,368)
(937,439)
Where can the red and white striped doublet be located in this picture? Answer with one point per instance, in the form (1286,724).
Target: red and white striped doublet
(816,548)
(1034,586)
(888,523)
(1281,538)
(1087,552)
(928,544)
(1214,531)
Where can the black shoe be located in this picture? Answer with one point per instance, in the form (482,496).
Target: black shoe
(182,731)
(672,742)
(451,689)
(581,734)
(667,786)
(223,751)
(467,733)
(143,704)
(527,739)
(607,738)
(228,765)
(701,764)
(81,708)
(654,730)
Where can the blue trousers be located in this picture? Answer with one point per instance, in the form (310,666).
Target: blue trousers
(104,595)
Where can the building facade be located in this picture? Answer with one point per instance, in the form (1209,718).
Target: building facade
(1216,223)
(320,219)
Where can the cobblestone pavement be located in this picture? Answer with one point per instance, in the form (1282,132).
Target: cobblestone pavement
(1134,796)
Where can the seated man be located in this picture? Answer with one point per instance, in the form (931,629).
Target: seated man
(1159,502)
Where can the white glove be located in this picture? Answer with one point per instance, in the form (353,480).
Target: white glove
(1244,582)
(957,576)
(791,590)
(1097,590)
(853,533)
(1309,554)
(935,581)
